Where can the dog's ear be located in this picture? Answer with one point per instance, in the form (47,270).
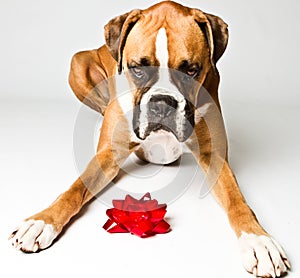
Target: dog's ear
(216,32)
(116,32)
(220,35)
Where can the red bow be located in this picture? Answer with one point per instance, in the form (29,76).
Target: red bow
(142,217)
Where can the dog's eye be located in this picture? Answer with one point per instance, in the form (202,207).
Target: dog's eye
(193,72)
(190,70)
(190,74)
(138,72)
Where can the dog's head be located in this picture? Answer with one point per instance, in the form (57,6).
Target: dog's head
(166,53)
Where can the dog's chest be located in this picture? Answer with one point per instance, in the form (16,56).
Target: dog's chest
(161,147)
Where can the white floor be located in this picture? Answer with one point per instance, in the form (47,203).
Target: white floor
(37,164)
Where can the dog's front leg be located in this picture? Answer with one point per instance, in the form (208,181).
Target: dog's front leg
(38,231)
(261,254)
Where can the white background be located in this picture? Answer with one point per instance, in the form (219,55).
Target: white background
(260,98)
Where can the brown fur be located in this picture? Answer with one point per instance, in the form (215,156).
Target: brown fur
(91,67)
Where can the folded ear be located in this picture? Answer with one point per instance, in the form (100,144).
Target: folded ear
(216,32)
(220,35)
(116,32)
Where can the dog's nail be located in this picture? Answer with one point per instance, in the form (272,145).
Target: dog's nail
(287,263)
(36,247)
(272,272)
(11,236)
(278,272)
(13,233)
(254,271)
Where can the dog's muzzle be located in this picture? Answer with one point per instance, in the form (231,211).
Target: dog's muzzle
(162,111)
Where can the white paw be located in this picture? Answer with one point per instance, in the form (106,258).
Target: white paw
(33,235)
(263,256)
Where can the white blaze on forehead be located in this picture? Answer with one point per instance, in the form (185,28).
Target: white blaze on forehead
(161,46)
(164,84)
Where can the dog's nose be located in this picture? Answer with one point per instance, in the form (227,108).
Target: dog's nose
(162,105)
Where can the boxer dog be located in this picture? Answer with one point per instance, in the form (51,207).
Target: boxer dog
(168,54)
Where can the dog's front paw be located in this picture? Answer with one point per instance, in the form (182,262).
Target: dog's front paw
(33,235)
(263,256)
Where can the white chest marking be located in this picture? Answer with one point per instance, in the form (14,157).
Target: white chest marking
(161,147)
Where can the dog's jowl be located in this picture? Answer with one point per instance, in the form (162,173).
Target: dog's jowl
(168,54)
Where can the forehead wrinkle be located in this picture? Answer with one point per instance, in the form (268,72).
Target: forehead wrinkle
(139,44)
(187,43)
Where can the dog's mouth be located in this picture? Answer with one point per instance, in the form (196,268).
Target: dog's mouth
(163,112)
(153,127)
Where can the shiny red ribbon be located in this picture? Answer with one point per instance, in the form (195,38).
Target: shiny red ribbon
(143,217)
